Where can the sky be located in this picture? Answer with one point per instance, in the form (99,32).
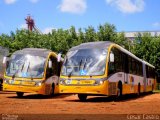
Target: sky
(126,15)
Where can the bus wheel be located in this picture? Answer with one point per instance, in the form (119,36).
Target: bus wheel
(52,90)
(152,88)
(119,90)
(139,89)
(82,97)
(1,84)
(19,94)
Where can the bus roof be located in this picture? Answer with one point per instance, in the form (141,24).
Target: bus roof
(34,51)
(148,64)
(92,45)
(132,55)
(106,44)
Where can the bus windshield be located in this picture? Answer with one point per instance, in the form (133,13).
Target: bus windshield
(85,62)
(26,66)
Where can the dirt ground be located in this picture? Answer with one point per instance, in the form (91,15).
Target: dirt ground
(147,106)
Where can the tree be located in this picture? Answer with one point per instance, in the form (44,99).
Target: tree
(90,34)
(107,32)
(144,46)
(147,48)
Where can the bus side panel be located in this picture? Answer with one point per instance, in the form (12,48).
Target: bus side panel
(129,87)
(2,69)
(52,82)
(113,82)
(145,77)
(150,85)
(134,80)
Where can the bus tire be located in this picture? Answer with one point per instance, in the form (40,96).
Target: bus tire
(20,94)
(119,89)
(152,87)
(52,89)
(1,84)
(82,97)
(139,89)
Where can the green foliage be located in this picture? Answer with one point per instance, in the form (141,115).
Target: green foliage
(144,46)
(59,40)
(147,47)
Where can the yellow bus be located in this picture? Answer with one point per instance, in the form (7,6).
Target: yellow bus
(104,68)
(4,52)
(32,70)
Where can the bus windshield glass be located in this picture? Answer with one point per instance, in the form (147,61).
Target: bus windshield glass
(26,66)
(85,62)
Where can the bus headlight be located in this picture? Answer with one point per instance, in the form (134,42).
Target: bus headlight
(62,81)
(38,83)
(101,82)
(6,81)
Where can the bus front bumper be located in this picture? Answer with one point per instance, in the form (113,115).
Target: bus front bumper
(81,89)
(27,89)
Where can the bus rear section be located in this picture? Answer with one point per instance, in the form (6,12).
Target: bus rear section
(4,52)
(32,70)
(104,68)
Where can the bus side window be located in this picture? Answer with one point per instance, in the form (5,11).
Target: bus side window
(130,64)
(125,63)
(119,62)
(111,66)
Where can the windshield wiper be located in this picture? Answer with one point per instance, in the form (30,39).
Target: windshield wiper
(22,66)
(28,69)
(14,75)
(28,66)
(69,75)
(84,65)
(80,64)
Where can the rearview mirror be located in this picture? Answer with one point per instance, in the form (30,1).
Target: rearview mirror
(50,64)
(59,57)
(111,57)
(4,60)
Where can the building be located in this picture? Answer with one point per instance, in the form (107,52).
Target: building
(133,34)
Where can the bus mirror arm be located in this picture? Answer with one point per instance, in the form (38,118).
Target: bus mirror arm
(111,57)
(4,60)
(50,64)
(59,57)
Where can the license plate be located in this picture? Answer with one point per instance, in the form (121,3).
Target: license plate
(86,82)
(16,82)
(28,83)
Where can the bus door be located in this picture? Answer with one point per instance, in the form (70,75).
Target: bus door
(144,76)
(3,53)
(52,75)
